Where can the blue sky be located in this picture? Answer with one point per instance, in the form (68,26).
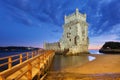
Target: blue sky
(33,22)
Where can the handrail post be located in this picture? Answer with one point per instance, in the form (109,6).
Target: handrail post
(38,62)
(27,56)
(35,52)
(38,51)
(20,58)
(9,62)
(29,74)
(39,73)
(32,54)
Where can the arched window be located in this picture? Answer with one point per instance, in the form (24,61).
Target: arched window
(76,40)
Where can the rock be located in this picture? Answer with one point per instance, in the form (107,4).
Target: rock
(110,47)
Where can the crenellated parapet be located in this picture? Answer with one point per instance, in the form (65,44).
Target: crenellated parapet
(83,23)
(75,16)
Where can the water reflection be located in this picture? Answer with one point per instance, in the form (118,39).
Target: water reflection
(60,62)
(91,58)
(94,51)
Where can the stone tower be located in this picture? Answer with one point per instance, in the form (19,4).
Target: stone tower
(75,35)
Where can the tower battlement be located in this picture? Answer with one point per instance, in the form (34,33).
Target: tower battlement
(75,16)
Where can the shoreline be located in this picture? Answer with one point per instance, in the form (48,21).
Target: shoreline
(103,64)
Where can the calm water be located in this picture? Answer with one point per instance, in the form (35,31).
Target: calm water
(61,62)
(94,51)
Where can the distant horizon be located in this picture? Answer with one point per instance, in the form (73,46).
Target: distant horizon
(89,47)
(42,47)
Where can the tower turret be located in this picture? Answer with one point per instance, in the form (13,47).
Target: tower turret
(77,11)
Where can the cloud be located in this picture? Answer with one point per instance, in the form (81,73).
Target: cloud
(16,14)
(55,31)
(103,16)
(45,10)
(115,29)
(105,1)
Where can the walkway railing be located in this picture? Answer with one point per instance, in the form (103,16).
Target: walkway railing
(10,61)
(29,65)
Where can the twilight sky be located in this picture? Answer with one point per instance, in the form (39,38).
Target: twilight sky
(33,22)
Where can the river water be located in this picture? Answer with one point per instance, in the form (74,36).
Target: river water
(61,62)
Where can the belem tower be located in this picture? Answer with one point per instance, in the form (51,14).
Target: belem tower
(75,35)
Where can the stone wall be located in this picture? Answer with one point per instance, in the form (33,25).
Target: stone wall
(78,49)
(52,46)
